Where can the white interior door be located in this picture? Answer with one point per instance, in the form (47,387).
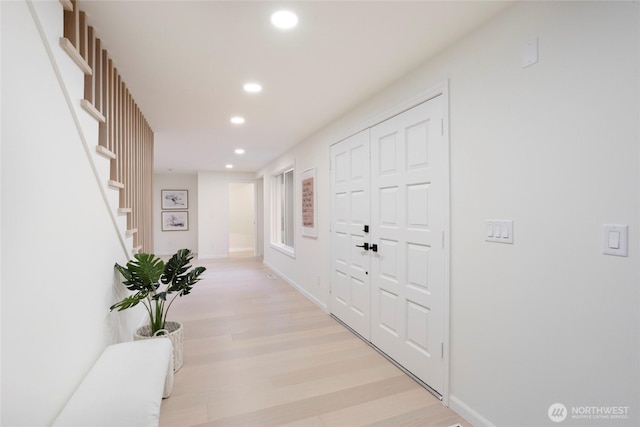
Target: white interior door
(408,181)
(393,178)
(350,281)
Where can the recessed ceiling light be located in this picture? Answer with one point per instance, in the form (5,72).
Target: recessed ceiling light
(252,87)
(237,120)
(239,151)
(284,19)
(229,166)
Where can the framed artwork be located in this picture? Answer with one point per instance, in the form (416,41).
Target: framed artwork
(309,203)
(174,199)
(175,221)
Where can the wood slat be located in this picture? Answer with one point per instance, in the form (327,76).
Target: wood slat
(97,74)
(83,42)
(111,97)
(67,5)
(71,24)
(124,134)
(89,86)
(104,128)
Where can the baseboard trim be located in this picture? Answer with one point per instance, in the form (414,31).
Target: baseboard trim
(466,412)
(250,249)
(390,359)
(207,256)
(297,287)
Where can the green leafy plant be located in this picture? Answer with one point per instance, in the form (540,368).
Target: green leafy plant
(144,275)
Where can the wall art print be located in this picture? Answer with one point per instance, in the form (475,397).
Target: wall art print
(309,203)
(174,199)
(175,221)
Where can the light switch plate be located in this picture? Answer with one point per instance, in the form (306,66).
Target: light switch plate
(615,239)
(530,52)
(499,231)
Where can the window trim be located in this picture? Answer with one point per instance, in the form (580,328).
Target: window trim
(276,211)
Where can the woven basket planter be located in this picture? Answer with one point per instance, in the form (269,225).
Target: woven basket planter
(174,331)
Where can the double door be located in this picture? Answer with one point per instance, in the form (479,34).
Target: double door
(388,238)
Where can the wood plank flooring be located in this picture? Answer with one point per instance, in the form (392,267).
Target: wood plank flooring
(258,353)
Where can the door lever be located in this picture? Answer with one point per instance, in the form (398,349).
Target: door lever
(374,247)
(365,246)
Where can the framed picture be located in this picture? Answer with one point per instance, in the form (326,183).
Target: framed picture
(175,221)
(309,203)
(174,199)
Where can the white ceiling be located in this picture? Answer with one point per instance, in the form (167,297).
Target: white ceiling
(185,63)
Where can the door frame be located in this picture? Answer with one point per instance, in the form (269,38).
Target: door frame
(256,220)
(259,216)
(439,89)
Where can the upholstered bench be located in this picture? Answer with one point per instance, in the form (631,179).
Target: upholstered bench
(124,387)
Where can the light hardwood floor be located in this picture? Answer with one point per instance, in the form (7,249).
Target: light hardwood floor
(258,353)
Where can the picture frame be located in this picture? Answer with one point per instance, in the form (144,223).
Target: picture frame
(174,199)
(309,203)
(175,221)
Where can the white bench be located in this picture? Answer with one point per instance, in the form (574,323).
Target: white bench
(124,387)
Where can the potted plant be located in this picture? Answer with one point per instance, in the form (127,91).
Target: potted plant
(144,275)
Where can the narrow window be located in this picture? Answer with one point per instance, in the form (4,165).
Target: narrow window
(282,228)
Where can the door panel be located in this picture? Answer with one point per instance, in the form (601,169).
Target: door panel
(350,285)
(393,178)
(407,272)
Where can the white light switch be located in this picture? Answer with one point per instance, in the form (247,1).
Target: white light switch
(615,239)
(499,231)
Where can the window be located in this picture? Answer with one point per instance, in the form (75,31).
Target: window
(282,224)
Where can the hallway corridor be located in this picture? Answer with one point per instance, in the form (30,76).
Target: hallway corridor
(258,353)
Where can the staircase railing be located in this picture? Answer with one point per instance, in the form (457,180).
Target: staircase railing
(124,134)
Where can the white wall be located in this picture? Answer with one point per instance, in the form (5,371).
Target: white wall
(213,211)
(242,233)
(309,269)
(555,148)
(209,222)
(168,242)
(59,244)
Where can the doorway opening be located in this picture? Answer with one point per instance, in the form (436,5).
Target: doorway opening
(242,220)
(388,239)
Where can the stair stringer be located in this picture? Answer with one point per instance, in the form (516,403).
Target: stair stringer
(71,80)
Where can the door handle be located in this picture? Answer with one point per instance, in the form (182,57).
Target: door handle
(365,246)
(374,247)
